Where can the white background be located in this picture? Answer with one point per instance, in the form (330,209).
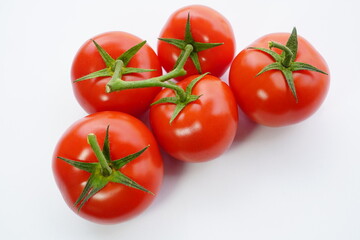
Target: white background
(300,182)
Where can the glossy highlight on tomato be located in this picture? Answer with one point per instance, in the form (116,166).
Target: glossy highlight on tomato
(267,98)
(204,129)
(91,93)
(207,26)
(115,202)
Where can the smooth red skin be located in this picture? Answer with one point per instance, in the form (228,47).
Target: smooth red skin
(207,26)
(204,129)
(280,107)
(91,93)
(115,202)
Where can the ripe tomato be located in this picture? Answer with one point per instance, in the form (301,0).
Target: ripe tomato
(204,129)
(207,26)
(267,98)
(115,202)
(91,93)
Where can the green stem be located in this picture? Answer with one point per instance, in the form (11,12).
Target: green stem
(122,85)
(119,64)
(105,169)
(116,84)
(288,53)
(179,69)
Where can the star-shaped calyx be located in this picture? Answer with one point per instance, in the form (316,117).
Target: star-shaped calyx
(188,39)
(104,171)
(116,68)
(286,61)
(181,101)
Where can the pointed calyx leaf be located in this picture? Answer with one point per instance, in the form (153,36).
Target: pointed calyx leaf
(272,66)
(178,108)
(88,167)
(106,72)
(290,82)
(93,185)
(292,44)
(108,60)
(100,174)
(117,164)
(191,85)
(176,42)
(297,66)
(118,177)
(195,59)
(188,39)
(129,54)
(106,146)
(173,100)
(110,63)
(285,62)
(273,54)
(181,102)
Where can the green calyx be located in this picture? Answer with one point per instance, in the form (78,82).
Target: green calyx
(285,62)
(104,171)
(189,40)
(180,102)
(122,61)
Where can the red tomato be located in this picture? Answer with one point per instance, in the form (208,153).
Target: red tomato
(115,202)
(207,26)
(91,93)
(267,99)
(204,129)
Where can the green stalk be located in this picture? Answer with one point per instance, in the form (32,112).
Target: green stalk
(179,70)
(122,85)
(105,168)
(119,64)
(288,53)
(116,84)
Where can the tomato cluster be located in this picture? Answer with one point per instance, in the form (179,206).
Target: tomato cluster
(108,165)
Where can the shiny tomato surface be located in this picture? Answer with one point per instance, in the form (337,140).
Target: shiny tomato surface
(127,135)
(204,129)
(91,93)
(207,26)
(267,99)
